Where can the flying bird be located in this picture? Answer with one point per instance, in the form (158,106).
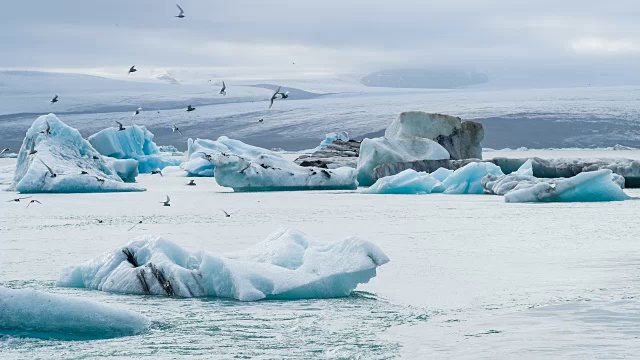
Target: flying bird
(137,111)
(101,181)
(136,224)
(99,221)
(33,201)
(175,128)
(284,95)
(4,151)
(32,150)
(46,131)
(261,120)
(274,96)
(52,174)
(55,99)
(226,214)
(156,172)
(84,173)
(224,87)
(18,199)
(120,127)
(132,69)
(190,108)
(181,14)
(191,183)
(166,202)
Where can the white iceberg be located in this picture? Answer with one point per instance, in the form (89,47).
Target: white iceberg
(330,138)
(75,166)
(592,186)
(201,151)
(134,142)
(285,266)
(127,169)
(31,313)
(406,182)
(468,179)
(271,173)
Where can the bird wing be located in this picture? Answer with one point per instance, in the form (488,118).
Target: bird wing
(179,8)
(119,123)
(131,228)
(48,168)
(271,104)
(225,213)
(168,199)
(179,132)
(224,86)
(48,126)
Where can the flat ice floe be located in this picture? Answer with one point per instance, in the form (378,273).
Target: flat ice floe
(284,266)
(31,313)
(76,167)
(134,142)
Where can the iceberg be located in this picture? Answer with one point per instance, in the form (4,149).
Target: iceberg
(272,173)
(441,174)
(127,169)
(285,266)
(330,138)
(31,313)
(468,179)
(200,150)
(592,186)
(406,182)
(134,142)
(75,166)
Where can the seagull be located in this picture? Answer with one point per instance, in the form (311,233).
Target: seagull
(84,173)
(273,97)
(95,157)
(99,221)
(261,120)
(137,111)
(18,199)
(224,87)
(46,131)
(181,15)
(191,183)
(190,108)
(175,128)
(206,156)
(226,214)
(48,168)
(4,151)
(101,181)
(157,171)
(120,127)
(33,146)
(132,70)
(166,203)
(55,99)
(136,224)
(284,95)
(33,201)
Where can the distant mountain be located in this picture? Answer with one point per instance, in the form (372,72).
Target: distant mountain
(423,78)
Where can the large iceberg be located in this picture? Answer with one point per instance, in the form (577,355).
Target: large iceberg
(271,173)
(31,313)
(75,165)
(134,142)
(406,182)
(285,266)
(592,186)
(201,151)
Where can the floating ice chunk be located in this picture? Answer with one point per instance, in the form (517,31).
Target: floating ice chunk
(175,171)
(37,314)
(77,166)
(525,169)
(441,174)
(593,186)
(406,182)
(468,179)
(271,173)
(127,169)
(135,142)
(331,137)
(379,151)
(284,266)
(201,149)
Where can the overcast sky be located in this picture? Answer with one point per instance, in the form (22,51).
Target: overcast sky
(341,36)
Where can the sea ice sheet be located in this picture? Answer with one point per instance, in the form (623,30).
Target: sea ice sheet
(284,266)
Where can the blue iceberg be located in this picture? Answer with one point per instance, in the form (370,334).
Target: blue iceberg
(134,142)
(468,179)
(285,266)
(330,138)
(407,182)
(127,169)
(63,162)
(36,314)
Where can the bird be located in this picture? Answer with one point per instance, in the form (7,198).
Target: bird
(175,128)
(284,95)
(120,127)
(48,168)
(190,108)
(32,150)
(191,183)
(4,151)
(181,14)
(137,111)
(261,120)
(33,201)
(84,173)
(55,99)
(101,181)
(95,157)
(99,221)
(136,224)
(156,172)
(18,199)
(224,87)
(132,69)
(46,131)
(166,202)
(226,214)
(274,96)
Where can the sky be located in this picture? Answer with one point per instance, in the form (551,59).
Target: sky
(557,38)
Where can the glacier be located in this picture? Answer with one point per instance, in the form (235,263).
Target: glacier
(273,173)
(406,182)
(37,314)
(285,266)
(200,150)
(77,166)
(134,142)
